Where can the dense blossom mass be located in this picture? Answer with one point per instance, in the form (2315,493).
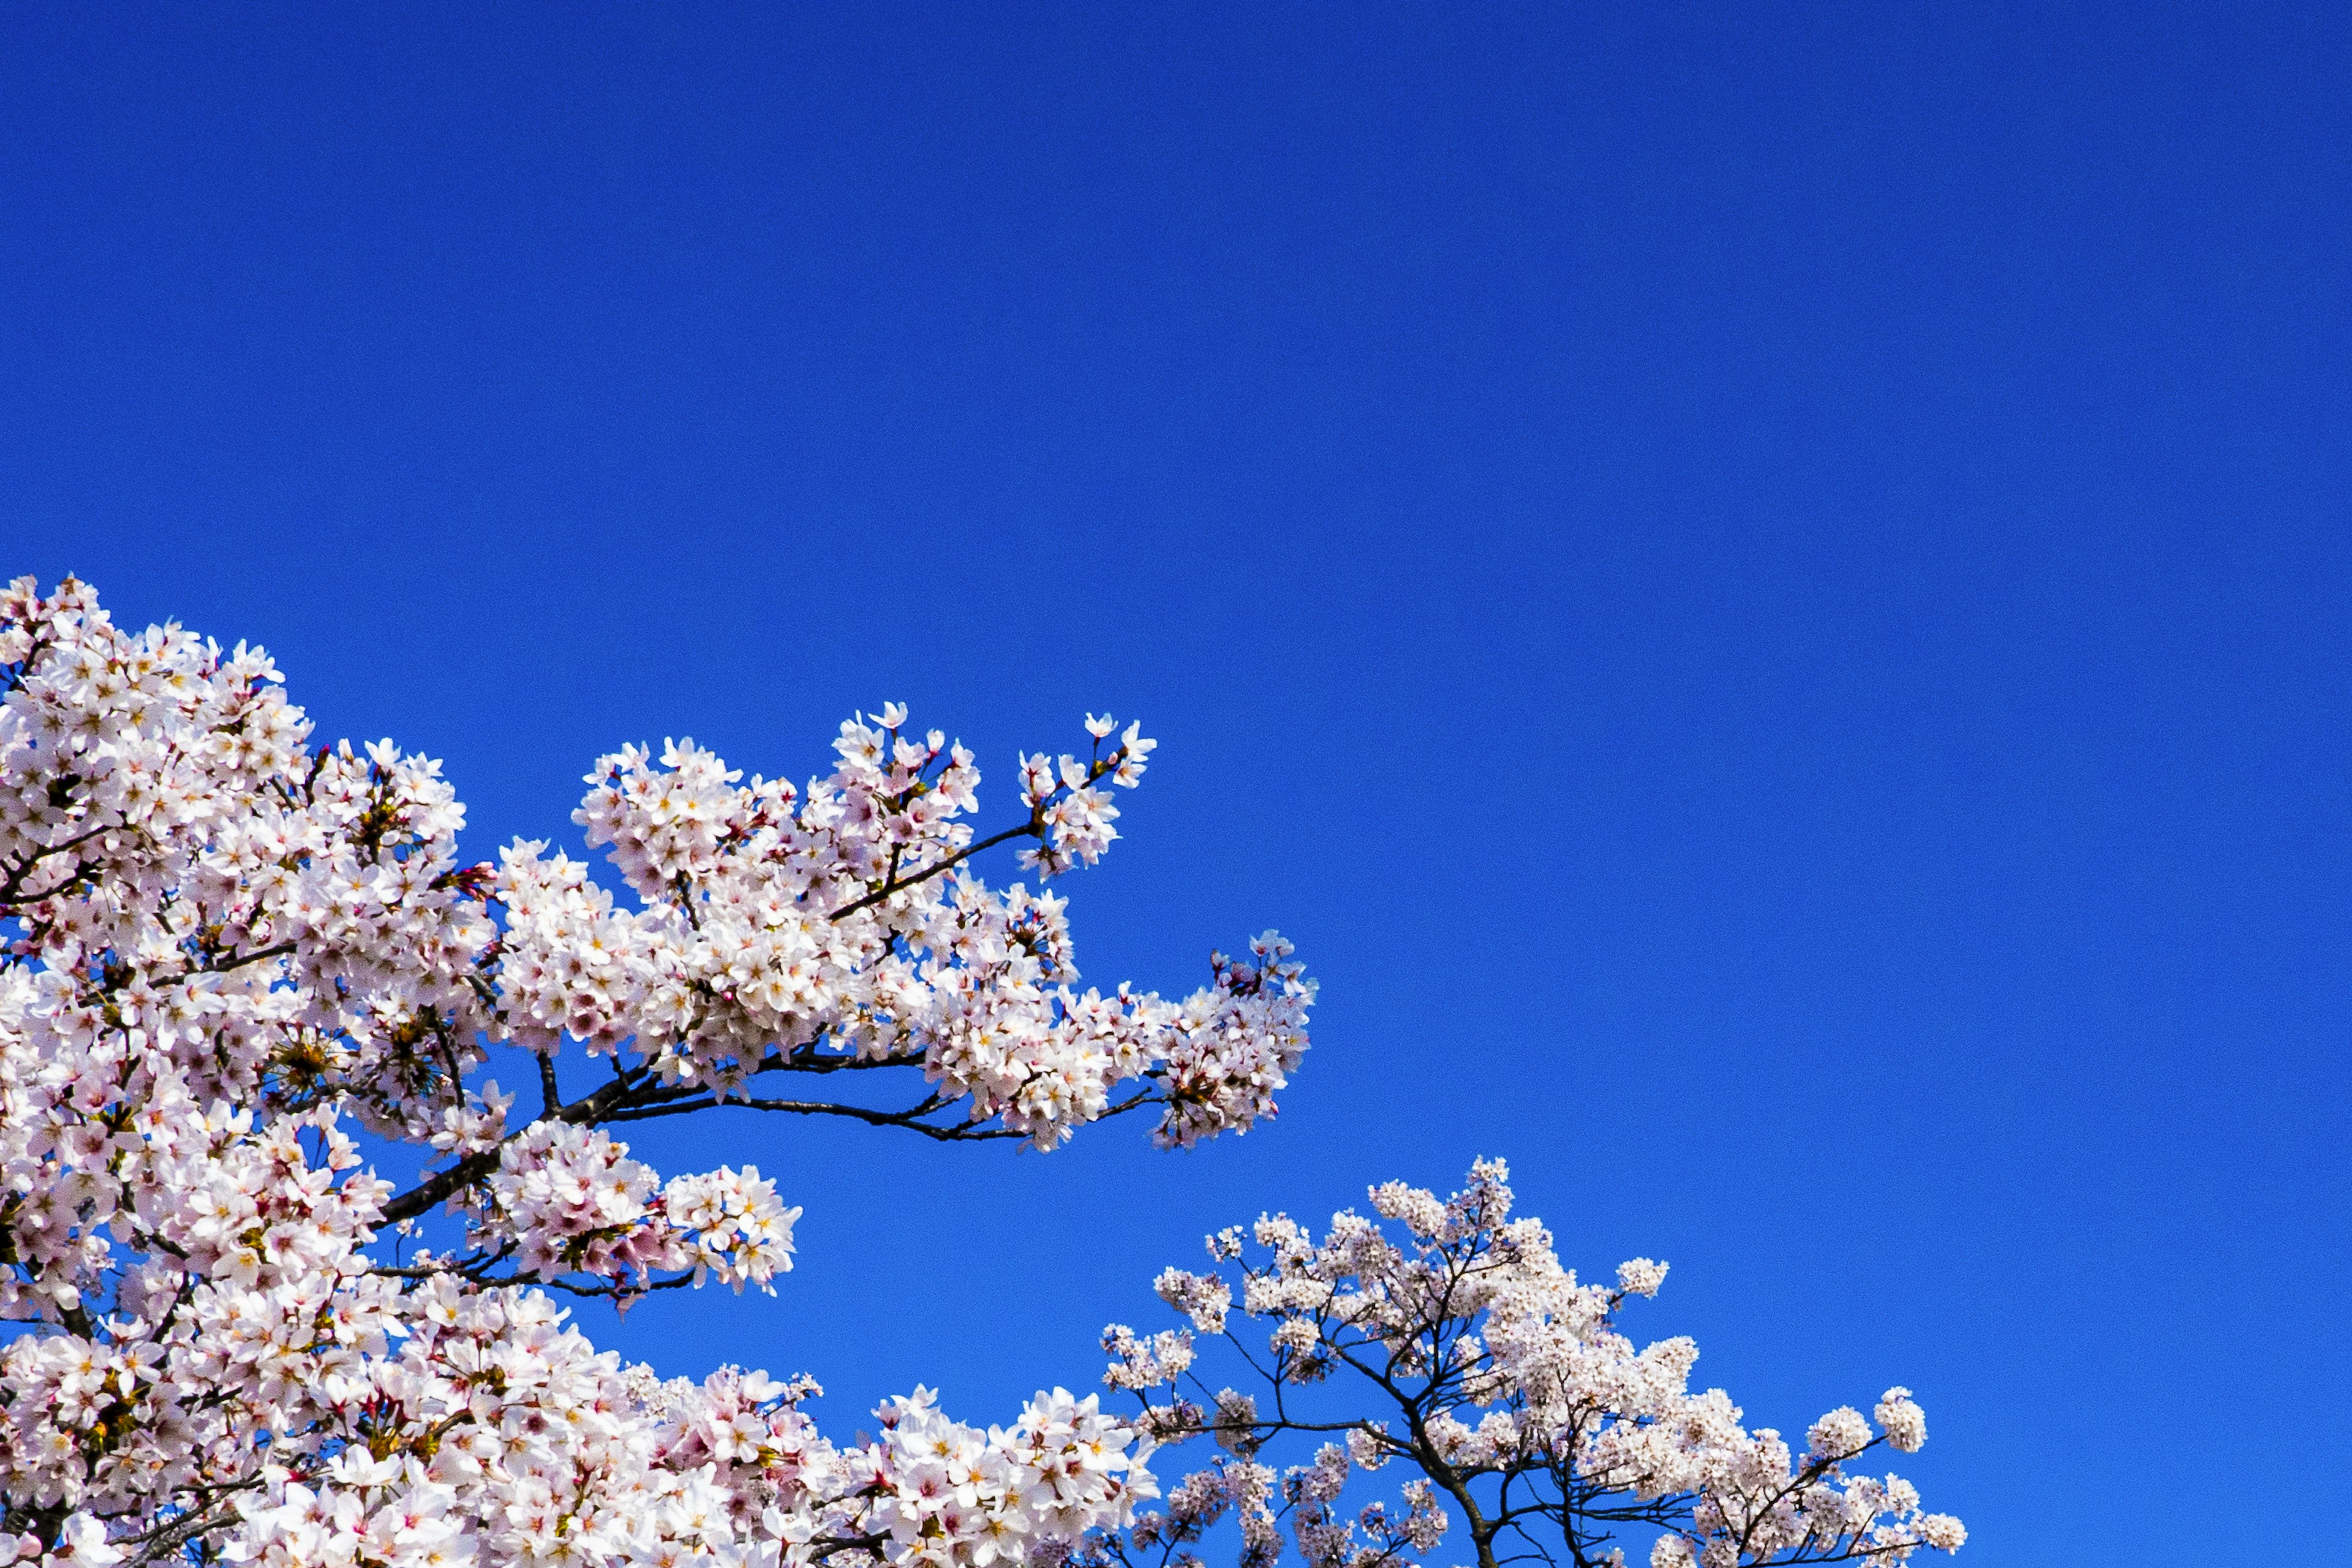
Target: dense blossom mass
(229,951)
(229,955)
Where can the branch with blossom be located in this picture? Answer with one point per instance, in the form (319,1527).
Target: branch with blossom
(226,954)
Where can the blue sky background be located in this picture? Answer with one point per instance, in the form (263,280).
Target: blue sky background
(1763,589)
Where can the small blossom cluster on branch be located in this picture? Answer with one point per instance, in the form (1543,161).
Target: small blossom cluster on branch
(1450,1341)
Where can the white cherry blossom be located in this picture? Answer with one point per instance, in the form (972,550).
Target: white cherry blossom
(1453,1343)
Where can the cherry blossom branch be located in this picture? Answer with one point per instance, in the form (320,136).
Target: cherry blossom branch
(437,1188)
(892,883)
(950,1132)
(230,947)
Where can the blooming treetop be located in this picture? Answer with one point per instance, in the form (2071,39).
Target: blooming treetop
(1453,1343)
(227,951)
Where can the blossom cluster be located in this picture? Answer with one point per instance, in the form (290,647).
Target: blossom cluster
(588,1462)
(227,955)
(784,929)
(1467,1351)
(570,1201)
(947,1493)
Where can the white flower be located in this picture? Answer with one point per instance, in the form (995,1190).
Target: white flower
(1906,1424)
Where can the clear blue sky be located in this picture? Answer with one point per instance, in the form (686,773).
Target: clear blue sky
(1763,589)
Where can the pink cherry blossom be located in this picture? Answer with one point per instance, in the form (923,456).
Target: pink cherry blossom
(227,953)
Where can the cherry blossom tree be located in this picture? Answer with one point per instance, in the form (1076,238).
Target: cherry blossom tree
(236,961)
